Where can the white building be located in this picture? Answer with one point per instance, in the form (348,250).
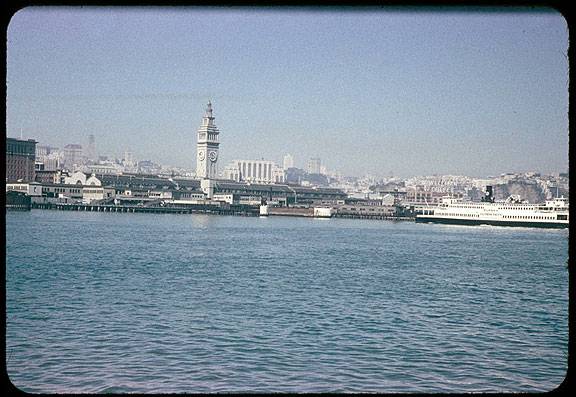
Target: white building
(80,178)
(257,171)
(207,147)
(288,162)
(108,168)
(49,156)
(95,193)
(30,188)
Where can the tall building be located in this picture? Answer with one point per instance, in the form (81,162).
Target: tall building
(51,162)
(44,150)
(314,166)
(259,171)
(207,147)
(73,155)
(50,157)
(91,150)
(20,159)
(288,161)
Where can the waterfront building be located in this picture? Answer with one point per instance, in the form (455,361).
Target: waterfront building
(227,191)
(20,159)
(288,162)
(65,193)
(207,146)
(256,171)
(161,194)
(188,197)
(122,182)
(29,188)
(278,194)
(227,198)
(314,166)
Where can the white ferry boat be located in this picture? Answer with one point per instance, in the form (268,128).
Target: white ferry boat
(512,212)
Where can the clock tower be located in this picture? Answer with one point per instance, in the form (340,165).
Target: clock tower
(207,147)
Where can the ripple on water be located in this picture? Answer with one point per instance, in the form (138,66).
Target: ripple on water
(228,304)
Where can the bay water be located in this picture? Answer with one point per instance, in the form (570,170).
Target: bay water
(162,303)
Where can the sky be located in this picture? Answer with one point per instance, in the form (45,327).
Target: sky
(385,92)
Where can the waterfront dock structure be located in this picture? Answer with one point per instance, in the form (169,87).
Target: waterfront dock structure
(153,194)
(237,210)
(18,201)
(192,209)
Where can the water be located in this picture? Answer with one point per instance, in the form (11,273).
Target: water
(109,302)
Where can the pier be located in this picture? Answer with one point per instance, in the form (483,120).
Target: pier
(199,209)
(235,210)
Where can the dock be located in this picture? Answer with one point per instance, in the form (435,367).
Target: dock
(197,209)
(235,210)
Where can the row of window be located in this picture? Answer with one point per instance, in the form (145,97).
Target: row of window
(368,209)
(517,208)
(504,216)
(20,149)
(467,215)
(62,190)
(528,217)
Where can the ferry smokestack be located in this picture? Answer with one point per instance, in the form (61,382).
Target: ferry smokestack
(489,195)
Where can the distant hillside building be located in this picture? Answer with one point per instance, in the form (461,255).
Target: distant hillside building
(20,159)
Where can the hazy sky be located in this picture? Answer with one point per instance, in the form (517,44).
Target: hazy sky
(372,91)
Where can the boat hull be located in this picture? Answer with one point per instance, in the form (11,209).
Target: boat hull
(477,222)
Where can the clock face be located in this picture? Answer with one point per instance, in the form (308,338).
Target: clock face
(201,154)
(212,156)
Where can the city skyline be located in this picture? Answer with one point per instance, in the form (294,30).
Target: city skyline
(367,92)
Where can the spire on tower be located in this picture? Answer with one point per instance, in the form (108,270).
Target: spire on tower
(209,109)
